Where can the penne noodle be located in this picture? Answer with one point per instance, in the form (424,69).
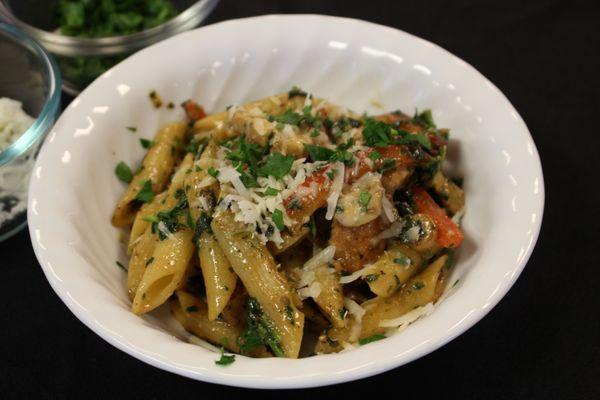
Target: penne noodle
(418,291)
(140,223)
(172,252)
(219,278)
(157,167)
(256,268)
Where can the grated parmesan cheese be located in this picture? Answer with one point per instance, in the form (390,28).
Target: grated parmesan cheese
(357,312)
(336,189)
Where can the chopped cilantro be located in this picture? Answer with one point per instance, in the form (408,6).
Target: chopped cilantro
(370,339)
(146,194)
(277,218)
(123,172)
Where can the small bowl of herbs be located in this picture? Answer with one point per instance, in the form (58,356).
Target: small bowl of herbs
(88,37)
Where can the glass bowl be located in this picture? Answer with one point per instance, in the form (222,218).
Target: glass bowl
(27,74)
(81,60)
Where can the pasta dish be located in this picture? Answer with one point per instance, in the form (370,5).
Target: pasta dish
(291,226)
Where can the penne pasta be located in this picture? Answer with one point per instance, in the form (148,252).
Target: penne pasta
(292,225)
(418,291)
(173,250)
(256,268)
(157,166)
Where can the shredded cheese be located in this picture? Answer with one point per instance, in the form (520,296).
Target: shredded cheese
(336,189)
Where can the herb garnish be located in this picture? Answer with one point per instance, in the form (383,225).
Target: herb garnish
(123,172)
(277,218)
(212,172)
(146,194)
(364,198)
(370,339)
(379,134)
(271,191)
(131,128)
(146,143)
(277,165)
(259,331)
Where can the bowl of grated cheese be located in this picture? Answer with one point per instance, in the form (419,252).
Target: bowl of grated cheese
(29,105)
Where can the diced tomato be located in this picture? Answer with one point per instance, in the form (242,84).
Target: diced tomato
(193,110)
(449,234)
(309,196)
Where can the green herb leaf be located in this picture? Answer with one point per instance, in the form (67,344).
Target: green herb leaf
(225,359)
(212,172)
(277,218)
(417,285)
(374,155)
(259,331)
(123,172)
(425,118)
(271,191)
(277,166)
(146,143)
(318,153)
(364,198)
(150,218)
(146,194)
(131,128)
(370,339)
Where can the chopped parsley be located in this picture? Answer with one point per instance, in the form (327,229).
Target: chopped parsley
(259,331)
(170,218)
(131,128)
(288,117)
(277,218)
(374,155)
(146,143)
(202,225)
(271,191)
(364,198)
(318,153)
(331,173)
(212,172)
(386,165)
(417,285)
(296,91)
(123,172)
(146,194)
(225,359)
(424,118)
(370,339)
(379,134)
(277,165)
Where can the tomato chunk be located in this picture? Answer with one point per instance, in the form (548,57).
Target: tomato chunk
(449,234)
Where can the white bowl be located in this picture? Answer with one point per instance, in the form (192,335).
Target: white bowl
(73,189)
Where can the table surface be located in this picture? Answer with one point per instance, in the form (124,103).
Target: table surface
(540,342)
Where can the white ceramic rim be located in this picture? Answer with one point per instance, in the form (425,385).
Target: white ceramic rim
(343,374)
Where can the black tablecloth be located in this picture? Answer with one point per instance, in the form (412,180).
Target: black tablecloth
(540,342)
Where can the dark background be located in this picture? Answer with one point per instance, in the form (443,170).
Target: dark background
(540,342)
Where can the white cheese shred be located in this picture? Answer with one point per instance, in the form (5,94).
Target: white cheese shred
(336,189)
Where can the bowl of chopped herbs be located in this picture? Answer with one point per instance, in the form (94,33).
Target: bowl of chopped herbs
(88,37)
